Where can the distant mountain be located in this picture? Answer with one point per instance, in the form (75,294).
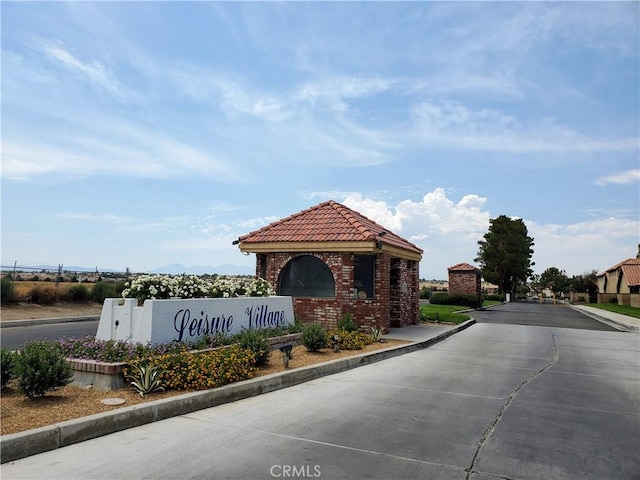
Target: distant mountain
(227,269)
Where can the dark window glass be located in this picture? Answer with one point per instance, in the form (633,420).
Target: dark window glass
(307,276)
(364,275)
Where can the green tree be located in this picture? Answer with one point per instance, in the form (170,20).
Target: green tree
(587,282)
(505,253)
(555,280)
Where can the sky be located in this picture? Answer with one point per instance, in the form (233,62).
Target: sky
(141,134)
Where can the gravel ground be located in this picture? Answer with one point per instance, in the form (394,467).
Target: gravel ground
(18,413)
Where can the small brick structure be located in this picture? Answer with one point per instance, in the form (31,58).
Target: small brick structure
(465,279)
(297,253)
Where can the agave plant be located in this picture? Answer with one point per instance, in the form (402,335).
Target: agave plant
(376,333)
(146,379)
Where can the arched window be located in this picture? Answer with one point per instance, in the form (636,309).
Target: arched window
(307,276)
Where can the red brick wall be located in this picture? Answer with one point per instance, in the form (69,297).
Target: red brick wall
(366,312)
(461,282)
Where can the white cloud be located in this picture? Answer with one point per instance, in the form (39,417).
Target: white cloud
(447,231)
(620,178)
(451,124)
(94,71)
(584,246)
(93,217)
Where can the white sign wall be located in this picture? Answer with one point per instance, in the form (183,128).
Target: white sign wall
(162,321)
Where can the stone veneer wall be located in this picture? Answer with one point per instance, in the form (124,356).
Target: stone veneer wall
(378,311)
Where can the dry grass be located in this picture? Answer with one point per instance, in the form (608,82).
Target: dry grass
(18,413)
(27,311)
(22,288)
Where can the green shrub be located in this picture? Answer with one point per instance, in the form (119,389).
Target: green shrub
(439,298)
(314,337)
(41,367)
(256,341)
(613,300)
(6,367)
(102,290)
(347,324)
(425,293)
(200,371)
(43,295)
(6,294)
(494,298)
(471,301)
(350,340)
(79,293)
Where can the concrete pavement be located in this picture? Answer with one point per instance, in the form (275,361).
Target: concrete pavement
(492,402)
(616,320)
(24,444)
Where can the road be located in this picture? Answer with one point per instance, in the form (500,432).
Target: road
(515,313)
(12,337)
(539,314)
(496,401)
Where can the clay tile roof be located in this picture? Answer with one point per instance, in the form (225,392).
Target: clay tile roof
(462,267)
(630,269)
(632,273)
(327,222)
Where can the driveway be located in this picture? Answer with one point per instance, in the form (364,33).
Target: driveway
(494,401)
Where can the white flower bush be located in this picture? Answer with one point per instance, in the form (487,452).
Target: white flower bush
(191,286)
(259,288)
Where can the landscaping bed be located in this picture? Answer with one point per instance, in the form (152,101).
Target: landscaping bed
(19,413)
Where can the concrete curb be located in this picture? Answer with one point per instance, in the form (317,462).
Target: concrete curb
(607,320)
(47,321)
(24,444)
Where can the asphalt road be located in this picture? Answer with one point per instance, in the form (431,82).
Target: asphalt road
(545,314)
(495,401)
(12,337)
(539,314)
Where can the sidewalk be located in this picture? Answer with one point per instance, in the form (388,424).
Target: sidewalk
(31,442)
(613,319)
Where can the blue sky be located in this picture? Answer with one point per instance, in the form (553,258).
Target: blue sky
(143,134)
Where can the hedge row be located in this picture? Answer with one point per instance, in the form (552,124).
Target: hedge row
(471,301)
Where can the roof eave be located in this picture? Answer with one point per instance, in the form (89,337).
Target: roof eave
(363,247)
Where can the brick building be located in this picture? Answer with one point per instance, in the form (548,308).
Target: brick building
(465,279)
(334,261)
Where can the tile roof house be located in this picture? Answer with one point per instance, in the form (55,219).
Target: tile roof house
(621,281)
(334,261)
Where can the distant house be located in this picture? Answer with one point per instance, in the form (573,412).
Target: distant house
(465,279)
(334,261)
(622,282)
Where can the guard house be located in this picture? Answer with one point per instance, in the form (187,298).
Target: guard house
(334,261)
(465,279)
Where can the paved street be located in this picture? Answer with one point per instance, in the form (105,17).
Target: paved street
(493,401)
(539,314)
(13,337)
